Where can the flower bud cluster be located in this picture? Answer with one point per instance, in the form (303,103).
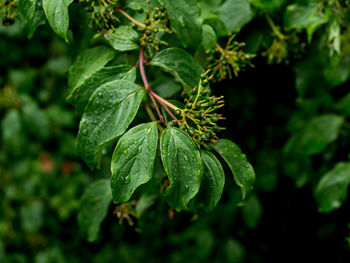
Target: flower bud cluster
(102,14)
(154,25)
(8,10)
(228,61)
(199,117)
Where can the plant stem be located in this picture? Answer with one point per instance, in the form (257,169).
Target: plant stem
(130,18)
(151,115)
(274,28)
(219,48)
(145,82)
(167,110)
(164,103)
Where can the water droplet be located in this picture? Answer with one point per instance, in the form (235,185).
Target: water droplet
(125,152)
(100,95)
(127,179)
(85,132)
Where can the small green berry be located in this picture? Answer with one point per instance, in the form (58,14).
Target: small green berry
(139,9)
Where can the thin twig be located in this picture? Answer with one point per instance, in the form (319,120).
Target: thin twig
(145,82)
(130,18)
(165,102)
(167,110)
(151,115)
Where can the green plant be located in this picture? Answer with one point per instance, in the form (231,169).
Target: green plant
(146,83)
(109,95)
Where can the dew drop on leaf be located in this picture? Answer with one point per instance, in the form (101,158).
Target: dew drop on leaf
(127,179)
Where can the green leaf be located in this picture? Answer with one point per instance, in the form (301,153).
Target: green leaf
(110,110)
(11,127)
(87,63)
(304,17)
(235,14)
(133,160)
(35,119)
(94,207)
(182,163)
(268,4)
(235,251)
(252,212)
(145,202)
(51,254)
(334,37)
(83,93)
(242,170)
(56,12)
(32,215)
(166,87)
(209,38)
(38,20)
(336,70)
(181,65)
(316,135)
(209,5)
(331,191)
(216,23)
(344,105)
(212,184)
(27,9)
(124,38)
(185,21)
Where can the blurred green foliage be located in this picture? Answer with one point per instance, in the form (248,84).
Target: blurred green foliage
(301,133)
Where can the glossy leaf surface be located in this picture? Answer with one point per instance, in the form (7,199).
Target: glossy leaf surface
(133,160)
(180,64)
(212,184)
(242,170)
(185,21)
(110,110)
(56,12)
(87,63)
(332,190)
(124,38)
(182,163)
(83,92)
